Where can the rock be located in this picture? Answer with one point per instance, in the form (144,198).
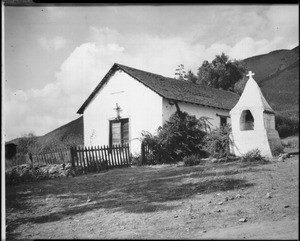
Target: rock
(238,196)
(231,198)
(268,195)
(223,159)
(219,210)
(243,220)
(226,199)
(203,231)
(214,160)
(180,164)
(283,156)
(205,159)
(176,216)
(53,170)
(286,206)
(68,166)
(286,155)
(220,203)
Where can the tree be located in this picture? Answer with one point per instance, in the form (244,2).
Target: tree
(191,77)
(28,143)
(240,85)
(221,73)
(180,72)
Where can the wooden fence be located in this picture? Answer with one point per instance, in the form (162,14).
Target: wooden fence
(86,159)
(55,156)
(91,159)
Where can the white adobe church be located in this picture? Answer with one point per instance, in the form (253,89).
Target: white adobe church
(128,101)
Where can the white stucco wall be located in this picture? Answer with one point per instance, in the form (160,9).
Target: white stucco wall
(196,110)
(263,137)
(138,103)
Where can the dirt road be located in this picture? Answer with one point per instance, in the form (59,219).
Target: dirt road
(209,201)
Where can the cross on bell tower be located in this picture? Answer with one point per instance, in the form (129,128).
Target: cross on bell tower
(118,110)
(250,74)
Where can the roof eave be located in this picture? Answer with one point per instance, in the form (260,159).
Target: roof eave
(189,102)
(98,87)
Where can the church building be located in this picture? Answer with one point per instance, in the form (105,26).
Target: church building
(128,101)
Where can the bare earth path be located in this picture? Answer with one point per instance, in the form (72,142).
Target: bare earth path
(161,202)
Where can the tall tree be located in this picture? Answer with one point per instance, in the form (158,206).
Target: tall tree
(240,85)
(221,73)
(191,77)
(180,72)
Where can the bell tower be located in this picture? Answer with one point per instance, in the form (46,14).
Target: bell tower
(253,122)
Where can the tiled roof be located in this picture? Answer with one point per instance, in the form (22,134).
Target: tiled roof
(173,89)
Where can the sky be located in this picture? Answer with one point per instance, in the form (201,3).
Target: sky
(54,56)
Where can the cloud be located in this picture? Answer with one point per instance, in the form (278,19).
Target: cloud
(283,20)
(45,109)
(55,43)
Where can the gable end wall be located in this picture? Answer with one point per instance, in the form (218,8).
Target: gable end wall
(141,105)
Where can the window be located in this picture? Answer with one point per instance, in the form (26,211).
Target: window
(246,121)
(223,121)
(119,132)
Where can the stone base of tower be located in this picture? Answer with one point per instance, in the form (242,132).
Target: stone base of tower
(274,142)
(267,141)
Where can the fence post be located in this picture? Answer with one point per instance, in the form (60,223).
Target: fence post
(72,151)
(31,159)
(142,153)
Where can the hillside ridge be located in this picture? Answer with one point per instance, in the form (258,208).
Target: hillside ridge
(277,73)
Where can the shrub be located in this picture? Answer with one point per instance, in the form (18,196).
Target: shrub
(286,126)
(191,160)
(292,143)
(217,143)
(253,156)
(182,135)
(277,149)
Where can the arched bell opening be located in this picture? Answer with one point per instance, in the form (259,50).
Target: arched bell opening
(246,121)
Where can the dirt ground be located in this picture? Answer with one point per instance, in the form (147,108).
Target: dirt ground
(209,201)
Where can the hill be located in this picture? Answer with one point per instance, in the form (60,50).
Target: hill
(277,73)
(73,129)
(68,134)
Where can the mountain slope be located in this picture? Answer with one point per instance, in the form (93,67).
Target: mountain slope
(277,73)
(71,129)
(71,132)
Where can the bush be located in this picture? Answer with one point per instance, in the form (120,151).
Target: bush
(286,126)
(276,150)
(291,143)
(191,160)
(217,143)
(182,135)
(253,156)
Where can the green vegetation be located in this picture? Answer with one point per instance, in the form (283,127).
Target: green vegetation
(286,126)
(221,73)
(253,156)
(192,160)
(182,135)
(217,142)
